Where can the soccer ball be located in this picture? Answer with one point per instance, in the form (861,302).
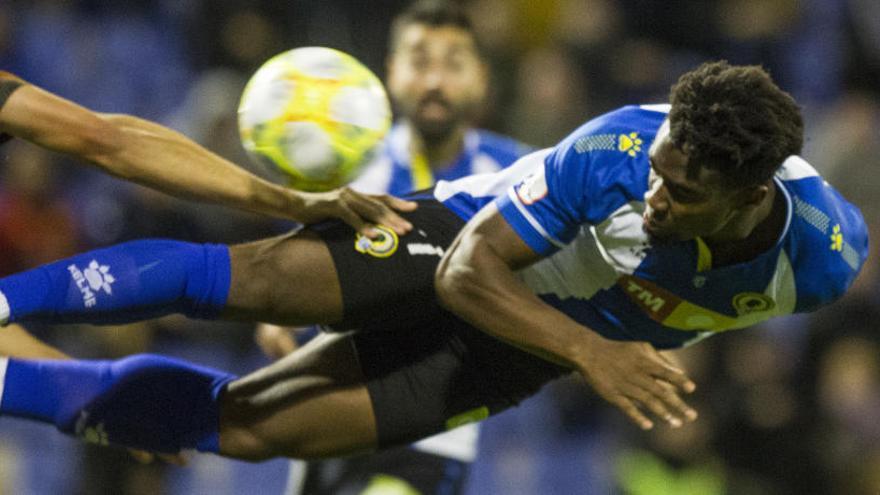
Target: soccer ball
(315,115)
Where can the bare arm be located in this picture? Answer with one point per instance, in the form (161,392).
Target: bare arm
(155,156)
(476,280)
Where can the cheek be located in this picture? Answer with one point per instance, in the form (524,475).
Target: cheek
(401,78)
(401,90)
(701,221)
(465,85)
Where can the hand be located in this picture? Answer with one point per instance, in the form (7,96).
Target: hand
(275,341)
(637,379)
(361,211)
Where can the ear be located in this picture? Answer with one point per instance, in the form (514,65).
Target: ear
(752,196)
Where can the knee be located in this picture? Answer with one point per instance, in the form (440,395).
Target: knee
(240,442)
(248,440)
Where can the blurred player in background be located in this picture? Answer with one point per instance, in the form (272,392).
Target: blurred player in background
(649,227)
(437,80)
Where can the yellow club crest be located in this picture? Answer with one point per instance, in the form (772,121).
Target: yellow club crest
(752,302)
(382,246)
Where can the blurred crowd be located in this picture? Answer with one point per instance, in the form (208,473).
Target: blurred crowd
(788,408)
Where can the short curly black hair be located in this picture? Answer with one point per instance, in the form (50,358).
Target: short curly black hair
(434,13)
(736,120)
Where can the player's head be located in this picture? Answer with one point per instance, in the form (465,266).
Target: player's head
(436,75)
(729,130)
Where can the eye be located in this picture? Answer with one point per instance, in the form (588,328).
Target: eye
(681,195)
(419,62)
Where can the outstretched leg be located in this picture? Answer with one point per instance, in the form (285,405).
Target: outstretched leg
(313,404)
(123,283)
(289,279)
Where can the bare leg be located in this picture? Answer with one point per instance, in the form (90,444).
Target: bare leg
(311,404)
(287,280)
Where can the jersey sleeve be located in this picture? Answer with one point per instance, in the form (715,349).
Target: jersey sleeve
(583,180)
(544,208)
(829,237)
(836,253)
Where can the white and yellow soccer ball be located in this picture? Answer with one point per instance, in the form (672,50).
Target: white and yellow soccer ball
(314,114)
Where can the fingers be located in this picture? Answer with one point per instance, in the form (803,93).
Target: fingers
(670,397)
(397,203)
(674,375)
(629,408)
(660,387)
(662,400)
(659,393)
(347,215)
(376,210)
(643,393)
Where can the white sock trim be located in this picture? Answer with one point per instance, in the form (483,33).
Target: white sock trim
(4,362)
(4,309)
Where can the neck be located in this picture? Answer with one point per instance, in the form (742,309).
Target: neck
(753,234)
(439,154)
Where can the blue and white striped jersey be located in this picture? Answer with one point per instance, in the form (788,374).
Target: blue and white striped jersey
(581,203)
(396,171)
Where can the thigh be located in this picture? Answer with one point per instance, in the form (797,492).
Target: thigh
(326,274)
(310,404)
(430,379)
(389,282)
(287,280)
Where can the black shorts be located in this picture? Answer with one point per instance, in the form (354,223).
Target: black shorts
(426,369)
(389,283)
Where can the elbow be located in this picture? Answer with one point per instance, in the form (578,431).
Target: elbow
(453,282)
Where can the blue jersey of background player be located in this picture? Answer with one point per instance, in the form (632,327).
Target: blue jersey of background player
(399,169)
(586,206)
(437,80)
(438,463)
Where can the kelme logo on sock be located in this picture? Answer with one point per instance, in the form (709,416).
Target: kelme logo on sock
(89,281)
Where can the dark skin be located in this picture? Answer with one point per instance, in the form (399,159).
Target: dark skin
(314,403)
(283,409)
(685,201)
(152,155)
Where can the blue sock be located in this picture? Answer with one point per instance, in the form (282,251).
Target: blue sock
(145,401)
(123,283)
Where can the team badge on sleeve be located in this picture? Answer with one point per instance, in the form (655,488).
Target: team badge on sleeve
(533,188)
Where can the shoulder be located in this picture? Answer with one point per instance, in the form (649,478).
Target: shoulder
(615,137)
(828,235)
(605,161)
(642,119)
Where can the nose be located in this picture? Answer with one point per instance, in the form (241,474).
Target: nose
(656,198)
(433,77)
